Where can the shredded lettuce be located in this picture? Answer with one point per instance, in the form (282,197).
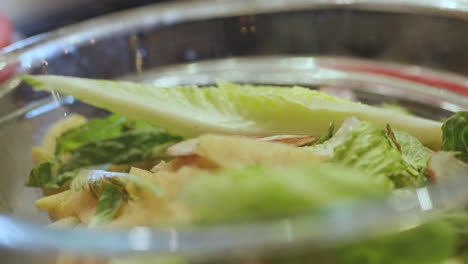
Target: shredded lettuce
(260,192)
(231,108)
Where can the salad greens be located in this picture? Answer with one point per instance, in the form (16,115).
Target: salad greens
(431,243)
(231,108)
(109,140)
(375,151)
(262,192)
(93,130)
(455,133)
(369,149)
(108,205)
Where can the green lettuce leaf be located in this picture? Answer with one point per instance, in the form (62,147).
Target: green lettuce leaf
(369,149)
(108,206)
(413,151)
(132,146)
(259,192)
(45,175)
(94,130)
(432,243)
(455,133)
(327,148)
(231,108)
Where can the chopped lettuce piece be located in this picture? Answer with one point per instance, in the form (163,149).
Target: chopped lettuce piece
(109,203)
(326,149)
(369,149)
(413,151)
(232,108)
(455,133)
(263,192)
(431,243)
(415,155)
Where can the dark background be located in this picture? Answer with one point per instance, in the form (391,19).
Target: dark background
(80,12)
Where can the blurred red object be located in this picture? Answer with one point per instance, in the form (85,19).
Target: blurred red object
(6,31)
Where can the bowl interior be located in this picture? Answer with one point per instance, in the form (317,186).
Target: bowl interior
(290,47)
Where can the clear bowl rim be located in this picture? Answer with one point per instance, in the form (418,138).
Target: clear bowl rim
(23,235)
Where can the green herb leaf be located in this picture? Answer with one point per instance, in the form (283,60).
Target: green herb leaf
(260,192)
(108,205)
(233,109)
(132,146)
(455,133)
(44,176)
(94,130)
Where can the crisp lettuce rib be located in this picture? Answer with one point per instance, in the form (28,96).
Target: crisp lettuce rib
(231,108)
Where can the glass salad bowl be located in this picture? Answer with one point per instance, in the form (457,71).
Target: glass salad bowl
(408,52)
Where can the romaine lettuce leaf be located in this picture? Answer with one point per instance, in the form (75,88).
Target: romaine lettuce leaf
(413,151)
(326,149)
(455,133)
(263,192)
(369,149)
(231,108)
